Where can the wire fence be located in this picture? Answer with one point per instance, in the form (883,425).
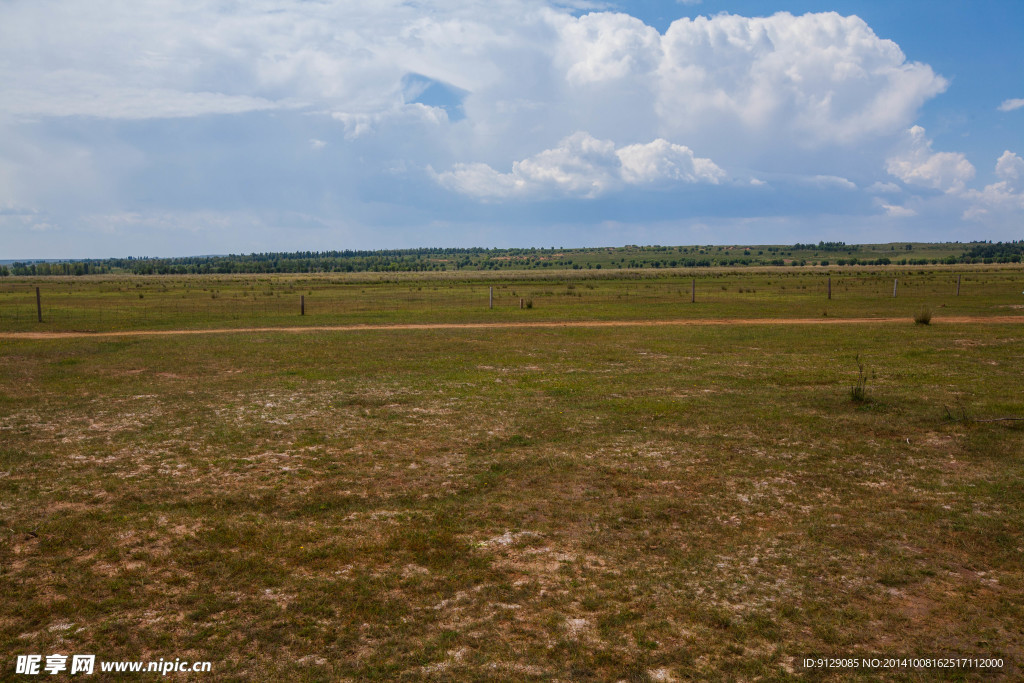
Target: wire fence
(144,303)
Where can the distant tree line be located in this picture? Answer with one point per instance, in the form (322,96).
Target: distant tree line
(478,258)
(826,246)
(56,268)
(1000,252)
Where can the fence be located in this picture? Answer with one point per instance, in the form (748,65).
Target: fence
(153,303)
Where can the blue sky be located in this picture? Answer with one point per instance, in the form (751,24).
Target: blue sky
(180,127)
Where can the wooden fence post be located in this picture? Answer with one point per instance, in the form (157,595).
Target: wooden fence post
(693,290)
(958,284)
(490,297)
(829,286)
(302,304)
(39,306)
(895,284)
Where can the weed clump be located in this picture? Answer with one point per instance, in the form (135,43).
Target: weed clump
(958,413)
(923,317)
(859,391)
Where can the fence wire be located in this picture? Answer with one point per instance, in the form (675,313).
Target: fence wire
(139,302)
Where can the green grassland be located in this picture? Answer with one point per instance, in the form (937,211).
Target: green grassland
(628,503)
(112,302)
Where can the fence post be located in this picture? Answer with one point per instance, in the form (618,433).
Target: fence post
(829,286)
(490,297)
(39,306)
(302,304)
(693,290)
(520,303)
(895,284)
(958,284)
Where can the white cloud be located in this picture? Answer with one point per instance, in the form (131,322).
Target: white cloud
(17,219)
(1011,105)
(997,198)
(606,46)
(480,180)
(1010,167)
(238,56)
(493,93)
(1003,197)
(583,166)
(896,211)
(661,161)
(884,188)
(89,95)
(766,94)
(831,181)
(359,125)
(916,164)
(814,79)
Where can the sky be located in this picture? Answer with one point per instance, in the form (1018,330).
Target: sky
(189,127)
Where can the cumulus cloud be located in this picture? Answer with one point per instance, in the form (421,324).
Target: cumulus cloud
(1010,168)
(762,93)
(474,84)
(661,161)
(1005,196)
(606,46)
(1010,105)
(584,166)
(816,78)
(995,199)
(492,93)
(916,164)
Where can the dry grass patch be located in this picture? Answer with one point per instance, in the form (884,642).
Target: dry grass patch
(379,506)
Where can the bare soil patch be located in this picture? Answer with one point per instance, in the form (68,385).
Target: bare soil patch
(694,322)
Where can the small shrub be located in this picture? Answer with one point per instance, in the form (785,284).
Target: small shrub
(923,317)
(529,303)
(859,391)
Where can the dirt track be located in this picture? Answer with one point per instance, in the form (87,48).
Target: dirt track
(974,320)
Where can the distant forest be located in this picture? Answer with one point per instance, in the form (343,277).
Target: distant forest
(457,259)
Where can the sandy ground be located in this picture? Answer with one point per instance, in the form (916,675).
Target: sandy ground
(694,322)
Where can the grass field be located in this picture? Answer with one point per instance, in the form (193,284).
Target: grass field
(627,503)
(104,303)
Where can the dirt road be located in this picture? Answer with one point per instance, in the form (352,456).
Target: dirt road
(694,322)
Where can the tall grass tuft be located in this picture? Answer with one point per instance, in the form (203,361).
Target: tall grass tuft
(923,317)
